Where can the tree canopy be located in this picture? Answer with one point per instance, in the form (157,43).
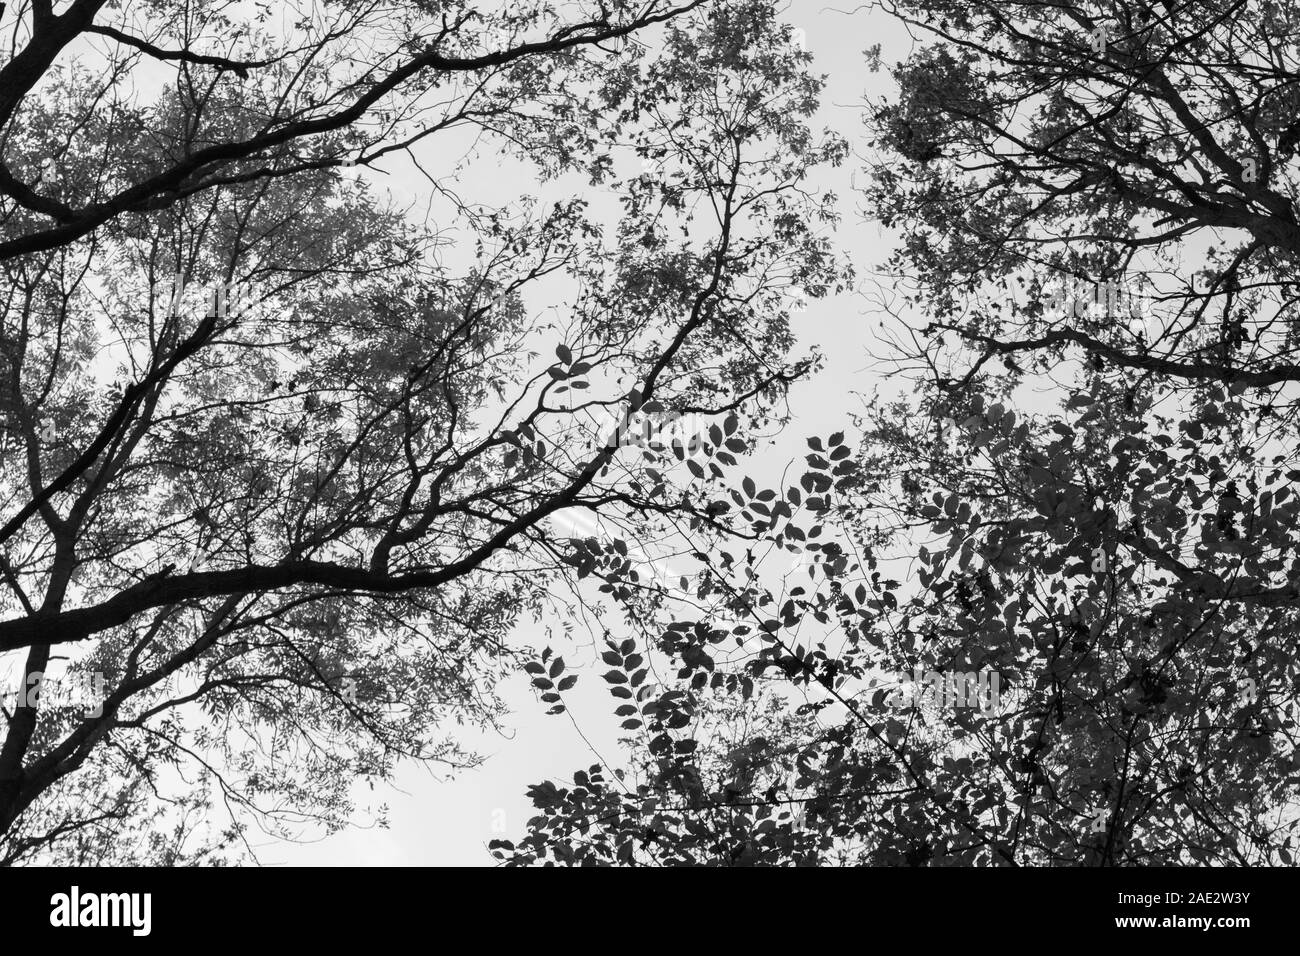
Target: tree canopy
(1076,518)
(288,463)
(280,455)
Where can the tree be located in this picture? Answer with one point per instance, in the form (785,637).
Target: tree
(1090,493)
(279,469)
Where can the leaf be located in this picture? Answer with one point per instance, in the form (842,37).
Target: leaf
(565,356)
